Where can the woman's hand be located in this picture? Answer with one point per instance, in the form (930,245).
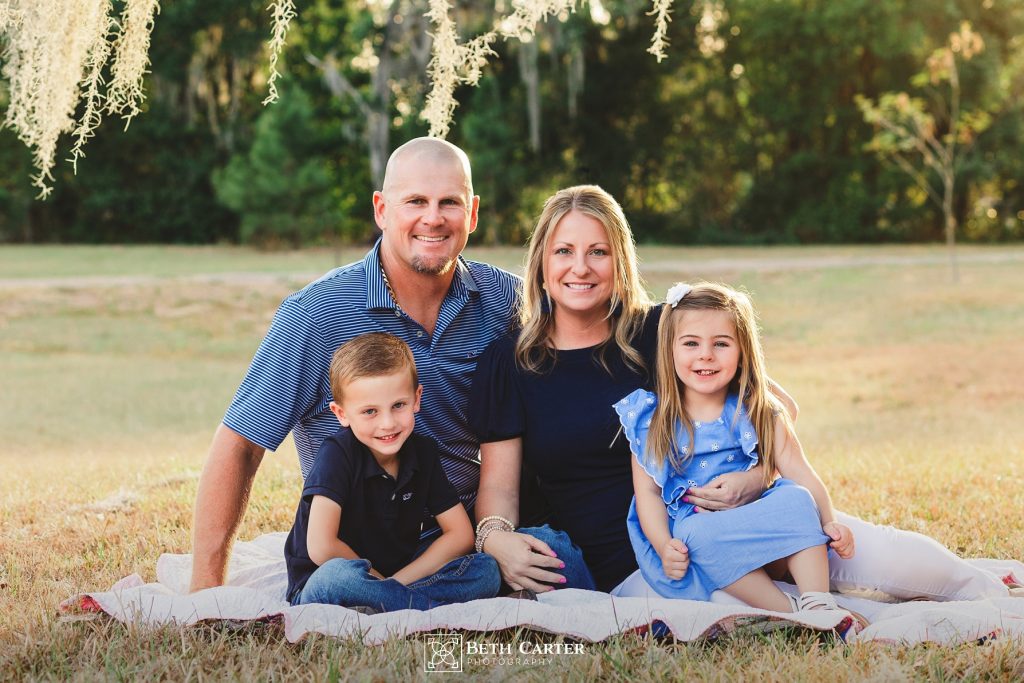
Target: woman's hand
(727,491)
(675,559)
(842,539)
(524,561)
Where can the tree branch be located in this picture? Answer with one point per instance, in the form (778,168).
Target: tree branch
(917,176)
(337,84)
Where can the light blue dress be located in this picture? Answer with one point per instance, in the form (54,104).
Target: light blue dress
(724,546)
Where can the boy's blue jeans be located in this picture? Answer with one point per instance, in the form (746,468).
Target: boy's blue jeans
(349,583)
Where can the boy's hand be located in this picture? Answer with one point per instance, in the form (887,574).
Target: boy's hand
(842,539)
(675,559)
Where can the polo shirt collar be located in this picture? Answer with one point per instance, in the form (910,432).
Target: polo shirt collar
(408,462)
(378,296)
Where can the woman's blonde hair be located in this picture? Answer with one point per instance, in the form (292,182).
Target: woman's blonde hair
(629,301)
(750,383)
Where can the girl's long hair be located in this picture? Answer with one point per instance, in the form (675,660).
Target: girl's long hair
(629,302)
(750,383)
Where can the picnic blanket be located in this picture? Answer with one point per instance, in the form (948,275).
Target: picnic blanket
(257,580)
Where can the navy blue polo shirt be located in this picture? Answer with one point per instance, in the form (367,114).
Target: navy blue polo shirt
(381,517)
(287,387)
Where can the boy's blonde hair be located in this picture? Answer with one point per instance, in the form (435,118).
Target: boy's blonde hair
(750,382)
(629,301)
(370,355)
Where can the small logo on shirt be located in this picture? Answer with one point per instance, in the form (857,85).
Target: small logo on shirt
(406,496)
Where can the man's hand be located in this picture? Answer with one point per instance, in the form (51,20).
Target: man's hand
(675,559)
(727,491)
(842,539)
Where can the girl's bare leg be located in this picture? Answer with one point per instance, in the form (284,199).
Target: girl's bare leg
(809,568)
(757,590)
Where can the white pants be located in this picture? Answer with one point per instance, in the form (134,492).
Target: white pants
(890,565)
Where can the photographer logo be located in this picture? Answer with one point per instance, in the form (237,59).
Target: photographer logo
(442,652)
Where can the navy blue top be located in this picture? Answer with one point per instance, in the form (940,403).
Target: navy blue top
(567,423)
(381,517)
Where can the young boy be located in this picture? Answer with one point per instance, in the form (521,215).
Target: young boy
(356,535)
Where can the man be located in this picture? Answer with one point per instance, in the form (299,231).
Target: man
(413,284)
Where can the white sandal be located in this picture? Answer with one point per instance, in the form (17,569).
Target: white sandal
(815,600)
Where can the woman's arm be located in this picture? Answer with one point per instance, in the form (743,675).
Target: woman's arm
(500,465)
(792,464)
(727,491)
(650,508)
(788,402)
(524,560)
(456,539)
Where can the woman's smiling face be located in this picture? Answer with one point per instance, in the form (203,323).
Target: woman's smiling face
(578,266)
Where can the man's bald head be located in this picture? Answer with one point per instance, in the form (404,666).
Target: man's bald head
(426,152)
(426,209)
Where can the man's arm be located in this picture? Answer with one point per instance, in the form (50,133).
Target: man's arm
(221,500)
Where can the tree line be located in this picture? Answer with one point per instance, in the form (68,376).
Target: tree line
(752,130)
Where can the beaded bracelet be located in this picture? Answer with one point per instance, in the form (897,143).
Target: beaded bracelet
(509,526)
(481,538)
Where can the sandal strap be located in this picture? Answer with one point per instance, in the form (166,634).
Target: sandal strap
(817,600)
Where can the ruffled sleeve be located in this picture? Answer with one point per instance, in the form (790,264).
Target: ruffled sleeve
(743,429)
(495,403)
(635,412)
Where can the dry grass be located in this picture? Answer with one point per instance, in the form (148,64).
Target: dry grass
(913,411)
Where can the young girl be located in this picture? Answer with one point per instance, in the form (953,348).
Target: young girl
(713,413)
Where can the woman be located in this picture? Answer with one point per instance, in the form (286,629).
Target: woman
(542,398)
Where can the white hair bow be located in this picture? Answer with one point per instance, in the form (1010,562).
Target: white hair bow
(676,293)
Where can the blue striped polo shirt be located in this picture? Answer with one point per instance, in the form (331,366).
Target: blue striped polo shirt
(288,389)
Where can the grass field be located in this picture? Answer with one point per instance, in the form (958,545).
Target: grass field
(117,363)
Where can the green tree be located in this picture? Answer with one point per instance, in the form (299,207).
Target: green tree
(16,194)
(280,187)
(928,142)
(150,183)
